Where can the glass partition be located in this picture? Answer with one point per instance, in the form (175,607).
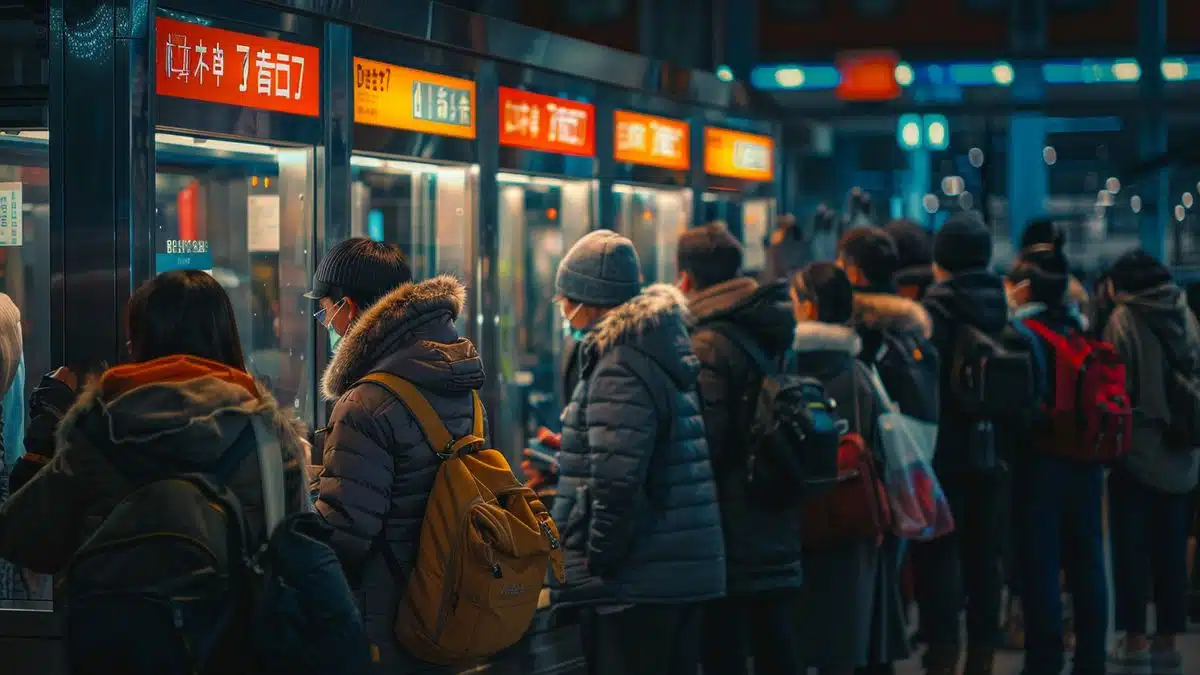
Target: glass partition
(25,275)
(653,218)
(758,215)
(244,212)
(540,218)
(425,209)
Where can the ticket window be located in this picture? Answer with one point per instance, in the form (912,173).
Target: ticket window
(653,219)
(540,218)
(425,209)
(25,276)
(243,211)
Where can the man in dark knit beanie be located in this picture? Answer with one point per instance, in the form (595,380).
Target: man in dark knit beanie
(966,563)
(763,553)
(914,248)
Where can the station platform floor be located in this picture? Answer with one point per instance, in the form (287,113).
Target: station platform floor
(1009,662)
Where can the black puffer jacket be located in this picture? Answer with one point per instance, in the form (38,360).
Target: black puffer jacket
(973,298)
(637,506)
(762,544)
(378,467)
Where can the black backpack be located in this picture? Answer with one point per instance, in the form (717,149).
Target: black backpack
(987,381)
(167,585)
(908,367)
(792,439)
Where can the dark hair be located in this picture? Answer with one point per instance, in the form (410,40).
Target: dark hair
(914,244)
(1042,231)
(874,252)
(827,285)
(1045,268)
(1136,271)
(709,253)
(183,312)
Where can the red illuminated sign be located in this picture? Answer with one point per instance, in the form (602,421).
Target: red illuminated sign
(538,122)
(220,66)
(868,76)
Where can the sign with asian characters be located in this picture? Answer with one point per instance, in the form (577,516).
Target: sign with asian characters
(405,98)
(11,212)
(220,66)
(547,123)
(650,140)
(737,154)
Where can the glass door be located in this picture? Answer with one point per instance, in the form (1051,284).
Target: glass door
(758,218)
(243,212)
(653,219)
(540,218)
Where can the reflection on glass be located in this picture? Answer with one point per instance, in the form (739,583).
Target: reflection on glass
(25,278)
(243,212)
(653,218)
(757,217)
(540,218)
(425,209)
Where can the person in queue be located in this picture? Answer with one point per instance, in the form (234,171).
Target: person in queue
(637,504)
(377,465)
(1149,490)
(963,568)
(1057,502)
(850,616)
(762,544)
(914,258)
(1042,232)
(180,406)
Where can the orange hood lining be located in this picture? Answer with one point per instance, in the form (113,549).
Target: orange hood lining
(168,369)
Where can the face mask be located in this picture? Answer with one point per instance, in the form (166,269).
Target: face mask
(577,334)
(335,338)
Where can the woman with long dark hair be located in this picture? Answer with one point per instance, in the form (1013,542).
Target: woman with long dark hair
(182,405)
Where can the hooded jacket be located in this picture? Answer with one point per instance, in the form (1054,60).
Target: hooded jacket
(974,298)
(637,505)
(762,544)
(171,415)
(1151,330)
(378,468)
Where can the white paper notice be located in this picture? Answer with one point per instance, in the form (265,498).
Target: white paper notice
(263,221)
(10,214)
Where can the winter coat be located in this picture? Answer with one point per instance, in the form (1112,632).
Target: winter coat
(1149,330)
(637,505)
(912,282)
(849,611)
(378,468)
(880,314)
(762,544)
(973,298)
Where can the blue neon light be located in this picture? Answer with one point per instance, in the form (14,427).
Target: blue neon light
(795,76)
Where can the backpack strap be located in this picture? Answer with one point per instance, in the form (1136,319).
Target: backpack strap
(443,442)
(1057,341)
(746,342)
(270,468)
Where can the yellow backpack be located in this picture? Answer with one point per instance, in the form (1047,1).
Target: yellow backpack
(486,543)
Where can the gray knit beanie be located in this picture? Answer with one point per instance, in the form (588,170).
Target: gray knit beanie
(601,269)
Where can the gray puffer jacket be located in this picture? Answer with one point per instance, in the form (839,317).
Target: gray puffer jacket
(378,467)
(637,505)
(1147,329)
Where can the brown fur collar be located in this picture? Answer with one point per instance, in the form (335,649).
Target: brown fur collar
(892,313)
(643,311)
(357,351)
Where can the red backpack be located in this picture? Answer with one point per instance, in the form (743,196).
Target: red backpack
(1091,418)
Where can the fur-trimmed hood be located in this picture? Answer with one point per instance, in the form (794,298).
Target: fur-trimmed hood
(192,417)
(656,323)
(409,332)
(816,336)
(891,314)
(655,304)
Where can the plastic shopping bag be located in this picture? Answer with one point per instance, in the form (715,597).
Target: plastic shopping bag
(919,507)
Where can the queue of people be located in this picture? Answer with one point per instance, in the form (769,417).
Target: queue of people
(729,472)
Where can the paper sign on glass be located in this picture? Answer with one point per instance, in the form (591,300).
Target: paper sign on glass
(10,214)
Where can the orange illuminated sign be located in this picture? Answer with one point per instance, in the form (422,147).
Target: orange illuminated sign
(650,140)
(538,122)
(737,154)
(405,98)
(220,66)
(868,76)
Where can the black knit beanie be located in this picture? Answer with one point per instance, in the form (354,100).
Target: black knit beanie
(1136,271)
(964,243)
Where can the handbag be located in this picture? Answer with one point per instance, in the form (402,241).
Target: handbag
(919,507)
(856,508)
